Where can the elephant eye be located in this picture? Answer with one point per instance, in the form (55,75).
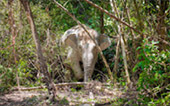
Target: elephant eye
(80,47)
(95,49)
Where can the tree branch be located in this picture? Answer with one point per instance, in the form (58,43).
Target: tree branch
(112,16)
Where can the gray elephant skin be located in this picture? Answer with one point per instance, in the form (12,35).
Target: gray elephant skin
(83,49)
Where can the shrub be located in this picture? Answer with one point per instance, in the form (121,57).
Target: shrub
(153,81)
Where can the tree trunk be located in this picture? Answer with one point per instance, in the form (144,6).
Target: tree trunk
(141,25)
(43,66)
(101,21)
(161,26)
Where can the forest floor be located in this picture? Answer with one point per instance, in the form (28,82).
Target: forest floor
(93,94)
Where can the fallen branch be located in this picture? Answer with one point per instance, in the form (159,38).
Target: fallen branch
(28,89)
(59,85)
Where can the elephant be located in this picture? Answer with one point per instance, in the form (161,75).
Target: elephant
(83,49)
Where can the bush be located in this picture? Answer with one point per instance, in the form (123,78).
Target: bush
(6,78)
(153,81)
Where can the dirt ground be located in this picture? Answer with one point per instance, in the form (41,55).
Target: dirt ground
(93,95)
(21,98)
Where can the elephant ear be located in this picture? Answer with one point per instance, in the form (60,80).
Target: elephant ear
(69,40)
(104,42)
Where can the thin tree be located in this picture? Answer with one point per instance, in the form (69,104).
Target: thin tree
(161,24)
(43,66)
(138,15)
(102,20)
(132,49)
(14,33)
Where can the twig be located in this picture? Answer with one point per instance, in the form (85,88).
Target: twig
(163,41)
(102,74)
(7,47)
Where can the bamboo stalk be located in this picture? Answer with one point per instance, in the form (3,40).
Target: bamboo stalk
(125,61)
(120,40)
(133,52)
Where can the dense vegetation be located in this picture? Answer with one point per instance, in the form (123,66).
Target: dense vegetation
(147,53)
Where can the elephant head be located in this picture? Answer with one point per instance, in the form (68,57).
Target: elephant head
(83,49)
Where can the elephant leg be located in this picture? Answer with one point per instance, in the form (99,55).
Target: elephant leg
(77,70)
(75,65)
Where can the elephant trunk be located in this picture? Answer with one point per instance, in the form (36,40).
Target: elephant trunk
(88,73)
(88,63)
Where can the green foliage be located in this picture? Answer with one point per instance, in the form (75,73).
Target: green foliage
(25,65)
(7,78)
(23,72)
(154,71)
